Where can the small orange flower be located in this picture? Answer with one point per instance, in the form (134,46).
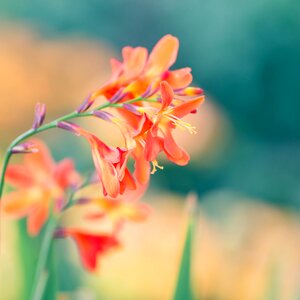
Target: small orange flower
(90,246)
(118,210)
(41,183)
(140,74)
(165,99)
(124,207)
(155,126)
(110,162)
(159,136)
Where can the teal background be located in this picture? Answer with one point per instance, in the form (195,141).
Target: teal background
(246,55)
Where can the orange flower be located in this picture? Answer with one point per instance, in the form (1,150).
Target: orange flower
(124,207)
(90,246)
(148,129)
(110,162)
(159,136)
(41,184)
(140,74)
(120,210)
(156,124)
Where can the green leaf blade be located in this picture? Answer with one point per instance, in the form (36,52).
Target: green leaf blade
(183,289)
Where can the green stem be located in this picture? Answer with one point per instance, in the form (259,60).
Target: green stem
(25,136)
(41,275)
(53,124)
(4,167)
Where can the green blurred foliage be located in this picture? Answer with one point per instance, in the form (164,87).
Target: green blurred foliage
(183,287)
(246,55)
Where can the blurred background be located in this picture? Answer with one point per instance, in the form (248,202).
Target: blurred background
(245,158)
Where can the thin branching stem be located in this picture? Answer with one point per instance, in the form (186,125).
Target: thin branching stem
(53,124)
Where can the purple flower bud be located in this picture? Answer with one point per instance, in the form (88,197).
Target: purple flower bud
(104,115)
(27,147)
(132,108)
(69,127)
(86,104)
(117,96)
(39,115)
(149,92)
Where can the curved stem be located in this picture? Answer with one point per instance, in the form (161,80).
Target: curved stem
(53,124)
(42,274)
(4,167)
(28,134)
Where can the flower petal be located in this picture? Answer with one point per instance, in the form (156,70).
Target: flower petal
(127,183)
(37,217)
(106,172)
(180,161)
(163,55)
(134,61)
(167,94)
(91,246)
(185,108)
(173,151)
(142,166)
(20,203)
(19,176)
(40,164)
(121,210)
(179,79)
(154,145)
(66,175)
(132,119)
(136,212)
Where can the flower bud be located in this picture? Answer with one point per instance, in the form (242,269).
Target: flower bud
(104,115)
(150,91)
(27,147)
(117,96)
(86,104)
(69,127)
(131,108)
(191,91)
(39,115)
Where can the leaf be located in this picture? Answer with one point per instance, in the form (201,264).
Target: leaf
(184,289)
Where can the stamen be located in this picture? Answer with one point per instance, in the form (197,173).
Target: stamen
(182,124)
(155,165)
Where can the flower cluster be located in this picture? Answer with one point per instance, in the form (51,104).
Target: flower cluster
(146,101)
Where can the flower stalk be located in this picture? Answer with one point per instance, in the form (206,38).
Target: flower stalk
(53,124)
(42,274)
(146,101)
